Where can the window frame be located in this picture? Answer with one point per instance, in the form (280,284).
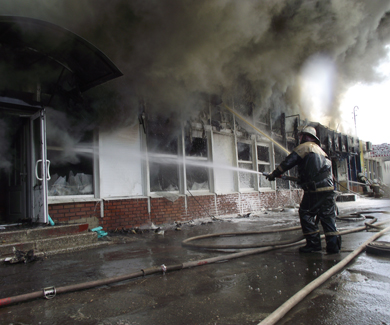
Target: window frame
(246,162)
(84,149)
(271,165)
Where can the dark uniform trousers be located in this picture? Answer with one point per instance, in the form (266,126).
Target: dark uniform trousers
(320,207)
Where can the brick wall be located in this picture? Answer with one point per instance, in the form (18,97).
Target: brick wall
(165,211)
(228,204)
(130,213)
(68,212)
(200,207)
(250,202)
(126,213)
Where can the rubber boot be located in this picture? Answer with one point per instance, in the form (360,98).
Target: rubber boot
(333,244)
(313,243)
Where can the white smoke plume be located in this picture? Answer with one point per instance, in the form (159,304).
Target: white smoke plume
(171,51)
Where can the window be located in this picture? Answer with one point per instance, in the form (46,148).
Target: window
(71,166)
(244,153)
(163,175)
(263,164)
(197,174)
(162,144)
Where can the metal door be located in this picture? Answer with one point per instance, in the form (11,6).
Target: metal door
(39,174)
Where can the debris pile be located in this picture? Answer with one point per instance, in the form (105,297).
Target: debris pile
(21,257)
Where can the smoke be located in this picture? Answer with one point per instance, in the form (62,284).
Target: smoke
(63,134)
(173,52)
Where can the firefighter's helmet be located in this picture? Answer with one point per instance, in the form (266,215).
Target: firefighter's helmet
(311,131)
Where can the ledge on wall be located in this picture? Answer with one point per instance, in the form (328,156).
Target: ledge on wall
(70,199)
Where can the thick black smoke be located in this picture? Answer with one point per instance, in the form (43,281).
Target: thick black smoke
(172,51)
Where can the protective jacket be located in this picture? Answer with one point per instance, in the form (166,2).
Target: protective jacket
(314,167)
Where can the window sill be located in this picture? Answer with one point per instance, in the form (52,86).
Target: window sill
(247,190)
(200,193)
(261,190)
(71,199)
(113,198)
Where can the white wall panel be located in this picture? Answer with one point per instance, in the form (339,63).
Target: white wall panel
(223,157)
(120,163)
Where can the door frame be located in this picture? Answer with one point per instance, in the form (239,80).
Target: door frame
(39,168)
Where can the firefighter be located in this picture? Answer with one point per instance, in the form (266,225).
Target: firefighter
(376,188)
(319,199)
(363,179)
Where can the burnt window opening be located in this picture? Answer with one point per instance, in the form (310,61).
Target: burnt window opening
(162,146)
(163,177)
(263,153)
(71,167)
(263,165)
(197,178)
(221,120)
(244,153)
(196,147)
(162,143)
(197,174)
(162,136)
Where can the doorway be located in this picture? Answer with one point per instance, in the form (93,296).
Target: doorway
(24,169)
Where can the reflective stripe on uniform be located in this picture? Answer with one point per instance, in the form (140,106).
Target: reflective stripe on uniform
(322,189)
(311,233)
(305,148)
(334,233)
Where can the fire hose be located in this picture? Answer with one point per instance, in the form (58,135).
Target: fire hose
(51,292)
(301,294)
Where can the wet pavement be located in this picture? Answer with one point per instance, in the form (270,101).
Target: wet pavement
(238,291)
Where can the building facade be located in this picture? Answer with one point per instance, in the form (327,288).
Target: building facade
(161,166)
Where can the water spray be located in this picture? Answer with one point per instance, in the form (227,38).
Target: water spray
(255,128)
(173,160)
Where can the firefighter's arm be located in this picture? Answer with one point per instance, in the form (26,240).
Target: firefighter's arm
(289,162)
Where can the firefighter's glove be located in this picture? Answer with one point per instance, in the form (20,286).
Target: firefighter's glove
(271,177)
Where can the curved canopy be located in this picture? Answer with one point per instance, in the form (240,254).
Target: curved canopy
(25,42)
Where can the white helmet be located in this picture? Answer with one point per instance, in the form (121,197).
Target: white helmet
(311,131)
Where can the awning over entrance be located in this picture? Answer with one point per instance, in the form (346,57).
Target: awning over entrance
(19,107)
(26,41)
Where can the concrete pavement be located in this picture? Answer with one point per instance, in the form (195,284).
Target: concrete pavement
(238,291)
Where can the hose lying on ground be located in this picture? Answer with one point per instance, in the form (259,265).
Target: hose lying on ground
(300,295)
(52,291)
(189,242)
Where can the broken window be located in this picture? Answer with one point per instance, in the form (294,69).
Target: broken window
(244,153)
(221,120)
(163,176)
(263,164)
(162,144)
(197,177)
(196,147)
(71,166)
(197,173)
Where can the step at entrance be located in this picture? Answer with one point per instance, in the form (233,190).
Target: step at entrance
(48,240)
